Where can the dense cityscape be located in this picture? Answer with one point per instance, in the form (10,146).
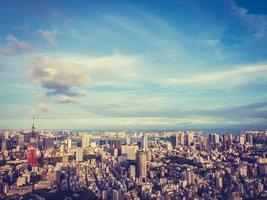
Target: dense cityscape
(133,100)
(134,165)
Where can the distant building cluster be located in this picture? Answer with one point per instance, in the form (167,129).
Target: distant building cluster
(133,165)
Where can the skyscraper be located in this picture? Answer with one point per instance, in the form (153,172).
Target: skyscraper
(226,142)
(174,141)
(203,143)
(21,139)
(127,139)
(190,176)
(145,148)
(49,143)
(189,138)
(69,143)
(116,195)
(61,150)
(249,138)
(79,155)
(182,138)
(131,171)
(242,139)
(85,141)
(3,145)
(141,164)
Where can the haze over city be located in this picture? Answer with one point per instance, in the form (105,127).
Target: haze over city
(133,64)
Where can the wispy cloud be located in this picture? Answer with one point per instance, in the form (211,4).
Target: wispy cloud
(233,77)
(65,99)
(166,42)
(211,42)
(256,23)
(42,107)
(48,35)
(14,46)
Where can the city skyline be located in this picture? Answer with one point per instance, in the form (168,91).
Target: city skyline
(133,64)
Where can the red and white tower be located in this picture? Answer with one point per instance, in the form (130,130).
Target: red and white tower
(31,157)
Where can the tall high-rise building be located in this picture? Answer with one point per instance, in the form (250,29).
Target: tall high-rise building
(203,143)
(141,164)
(214,139)
(6,135)
(49,143)
(219,182)
(243,170)
(21,139)
(79,155)
(190,176)
(85,141)
(27,137)
(116,195)
(131,171)
(145,147)
(174,140)
(131,152)
(115,143)
(249,138)
(189,138)
(61,150)
(181,138)
(65,160)
(227,142)
(69,143)
(241,139)
(3,145)
(127,139)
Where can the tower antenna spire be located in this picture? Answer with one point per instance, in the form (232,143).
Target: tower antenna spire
(33,124)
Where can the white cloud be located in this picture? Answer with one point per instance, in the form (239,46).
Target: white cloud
(116,70)
(65,99)
(49,36)
(211,42)
(63,76)
(57,77)
(233,77)
(14,46)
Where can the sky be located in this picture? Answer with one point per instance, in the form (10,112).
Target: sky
(162,64)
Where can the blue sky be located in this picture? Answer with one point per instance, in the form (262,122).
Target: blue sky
(133,64)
